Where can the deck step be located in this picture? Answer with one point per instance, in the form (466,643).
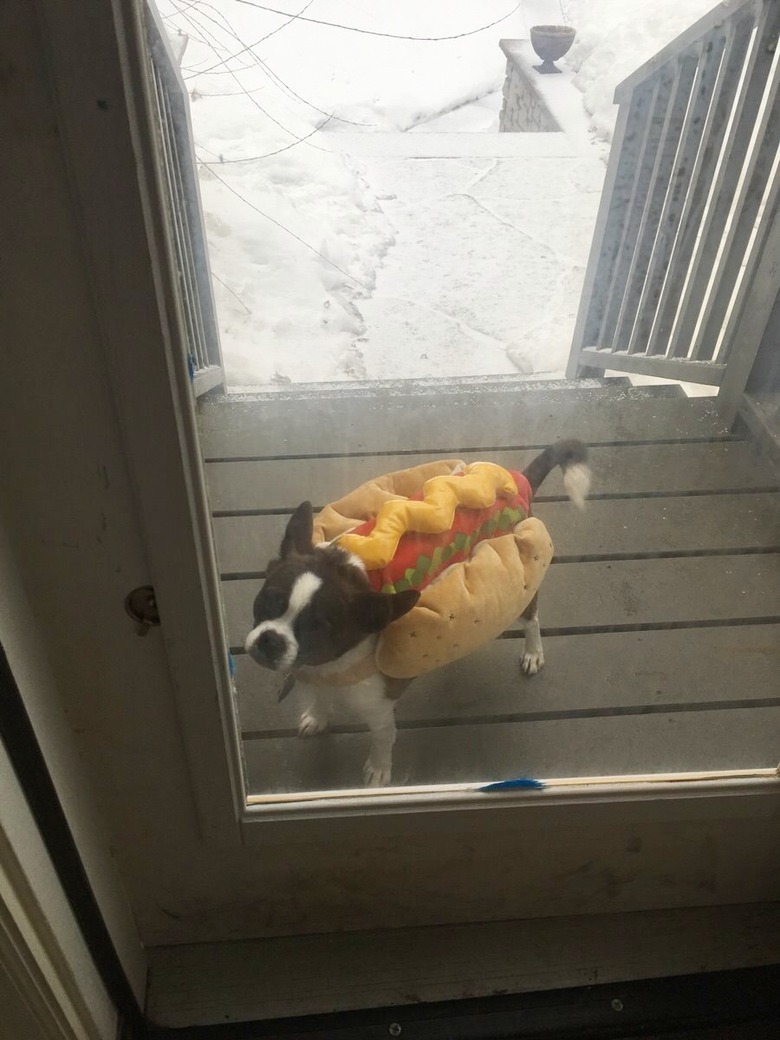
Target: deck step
(450,420)
(380,388)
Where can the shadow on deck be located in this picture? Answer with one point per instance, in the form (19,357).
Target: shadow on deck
(661,612)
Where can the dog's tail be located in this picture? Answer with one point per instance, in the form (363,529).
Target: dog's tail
(572,457)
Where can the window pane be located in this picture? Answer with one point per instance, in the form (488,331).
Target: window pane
(433,262)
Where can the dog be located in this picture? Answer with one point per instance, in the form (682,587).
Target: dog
(317,618)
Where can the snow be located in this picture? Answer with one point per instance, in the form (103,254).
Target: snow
(333,263)
(500,285)
(614,38)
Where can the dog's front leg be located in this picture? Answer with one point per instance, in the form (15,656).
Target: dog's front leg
(533,658)
(315,711)
(379,712)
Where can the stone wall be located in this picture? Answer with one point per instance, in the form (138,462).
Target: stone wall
(523,110)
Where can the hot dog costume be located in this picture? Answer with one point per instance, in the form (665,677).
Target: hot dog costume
(461,534)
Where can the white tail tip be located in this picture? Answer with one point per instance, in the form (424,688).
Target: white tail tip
(576,481)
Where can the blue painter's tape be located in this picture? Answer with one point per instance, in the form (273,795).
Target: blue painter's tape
(513,785)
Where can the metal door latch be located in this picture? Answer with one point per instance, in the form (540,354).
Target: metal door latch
(141,605)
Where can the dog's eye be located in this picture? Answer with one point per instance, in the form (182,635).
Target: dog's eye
(272,602)
(320,625)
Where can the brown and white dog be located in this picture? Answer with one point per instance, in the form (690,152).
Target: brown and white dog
(316,617)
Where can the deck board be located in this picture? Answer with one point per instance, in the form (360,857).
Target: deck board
(597,673)
(712,523)
(617,470)
(550,748)
(618,593)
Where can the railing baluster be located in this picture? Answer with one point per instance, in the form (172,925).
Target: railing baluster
(195,232)
(636,202)
(175,213)
(608,237)
(674,119)
(755,300)
(744,116)
(180,172)
(744,213)
(188,261)
(729,73)
(660,271)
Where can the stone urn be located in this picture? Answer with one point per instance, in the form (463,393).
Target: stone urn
(551,42)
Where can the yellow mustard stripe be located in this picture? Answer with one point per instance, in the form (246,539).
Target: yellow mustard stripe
(478,488)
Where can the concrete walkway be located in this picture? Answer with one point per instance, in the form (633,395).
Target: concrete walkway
(492,239)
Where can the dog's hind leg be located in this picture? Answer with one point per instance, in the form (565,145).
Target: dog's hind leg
(532,660)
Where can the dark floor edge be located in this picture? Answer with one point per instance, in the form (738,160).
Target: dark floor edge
(639,626)
(617,557)
(669,554)
(650,626)
(611,1011)
(718,438)
(607,496)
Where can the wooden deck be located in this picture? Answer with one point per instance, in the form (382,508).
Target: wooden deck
(661,613)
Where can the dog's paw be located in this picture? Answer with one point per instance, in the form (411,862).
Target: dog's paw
(376,776)
(532,663)
(310,725)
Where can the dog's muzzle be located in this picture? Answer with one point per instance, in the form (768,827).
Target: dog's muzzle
(269,649)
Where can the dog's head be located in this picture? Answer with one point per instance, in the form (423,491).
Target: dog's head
(316,603)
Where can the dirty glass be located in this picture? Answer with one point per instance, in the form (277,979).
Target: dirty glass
(439,238)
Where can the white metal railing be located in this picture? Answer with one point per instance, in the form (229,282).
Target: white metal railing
(685,261)
(180,168)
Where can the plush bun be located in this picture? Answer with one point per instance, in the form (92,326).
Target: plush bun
(467,605)
(470,604)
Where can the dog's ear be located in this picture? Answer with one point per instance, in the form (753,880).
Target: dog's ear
(376,610)
(297,539)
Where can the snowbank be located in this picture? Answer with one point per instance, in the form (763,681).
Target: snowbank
(614,38)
